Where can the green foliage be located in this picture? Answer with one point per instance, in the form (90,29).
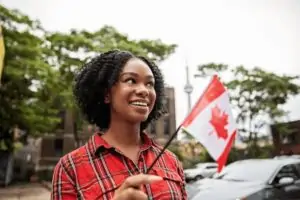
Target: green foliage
(175,149)
(187,161)
(205,156)
(186,134)
(39,67)
(27,79)
(284,128)
(254,151)
(233,156)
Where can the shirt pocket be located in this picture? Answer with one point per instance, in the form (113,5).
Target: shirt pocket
(105,189)
(168,189)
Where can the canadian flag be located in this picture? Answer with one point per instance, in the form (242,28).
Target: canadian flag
(211,122)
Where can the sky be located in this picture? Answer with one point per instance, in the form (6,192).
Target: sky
(235,32)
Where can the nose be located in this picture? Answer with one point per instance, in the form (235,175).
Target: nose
(142,90)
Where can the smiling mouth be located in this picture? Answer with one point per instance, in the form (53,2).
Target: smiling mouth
(140,104)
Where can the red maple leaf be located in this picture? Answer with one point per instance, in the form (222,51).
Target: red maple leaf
(219,120)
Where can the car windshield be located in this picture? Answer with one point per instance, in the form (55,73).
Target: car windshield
(255,170)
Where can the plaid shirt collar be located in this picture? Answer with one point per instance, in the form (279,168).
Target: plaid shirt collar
(97,144)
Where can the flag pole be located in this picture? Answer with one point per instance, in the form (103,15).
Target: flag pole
(163,150)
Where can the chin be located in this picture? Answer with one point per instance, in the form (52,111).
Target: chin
(138,119)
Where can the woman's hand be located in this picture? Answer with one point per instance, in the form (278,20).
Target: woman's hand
(131,187)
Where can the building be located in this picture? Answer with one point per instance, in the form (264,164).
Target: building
(163,128)
(286,138)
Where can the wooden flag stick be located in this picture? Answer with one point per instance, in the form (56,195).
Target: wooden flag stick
(163,150)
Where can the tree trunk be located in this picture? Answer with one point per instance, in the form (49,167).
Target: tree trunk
(6,167)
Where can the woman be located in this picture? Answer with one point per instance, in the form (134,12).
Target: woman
(121,94)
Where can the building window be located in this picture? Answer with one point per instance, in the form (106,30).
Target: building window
(166,103)
(152,128)
(61,124)
(58,146)
(289,139)
(167,126)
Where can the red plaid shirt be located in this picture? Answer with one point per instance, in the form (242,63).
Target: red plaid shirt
(96,170)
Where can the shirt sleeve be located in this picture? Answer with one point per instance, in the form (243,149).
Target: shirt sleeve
(63,186)
(181,173)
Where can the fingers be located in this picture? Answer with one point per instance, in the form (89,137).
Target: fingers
(131,193)
(131,187)
(138,180)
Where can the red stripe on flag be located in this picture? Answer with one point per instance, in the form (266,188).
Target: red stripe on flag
(213,91)
(223,158)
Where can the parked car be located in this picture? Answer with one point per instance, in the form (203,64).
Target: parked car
(200,171)
(287,156)
(253,179)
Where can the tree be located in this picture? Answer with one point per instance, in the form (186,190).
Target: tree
(27,78)
(257,95)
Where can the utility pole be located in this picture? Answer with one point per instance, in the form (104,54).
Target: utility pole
(188,88)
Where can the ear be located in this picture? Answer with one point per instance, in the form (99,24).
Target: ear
(107,97)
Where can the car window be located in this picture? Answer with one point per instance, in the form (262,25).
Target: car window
(250,170)
(298,168)
(287,171)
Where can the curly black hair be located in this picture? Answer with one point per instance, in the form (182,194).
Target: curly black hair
(98,76)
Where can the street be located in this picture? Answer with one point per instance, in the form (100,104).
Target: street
(33,191)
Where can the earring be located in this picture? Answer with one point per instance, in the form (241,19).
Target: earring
(106,99)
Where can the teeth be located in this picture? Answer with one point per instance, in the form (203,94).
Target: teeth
(139,103)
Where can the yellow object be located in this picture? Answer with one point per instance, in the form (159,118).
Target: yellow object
(2,52)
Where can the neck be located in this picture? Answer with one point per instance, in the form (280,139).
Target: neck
(123,134)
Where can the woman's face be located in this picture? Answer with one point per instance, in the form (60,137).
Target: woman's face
(133,96)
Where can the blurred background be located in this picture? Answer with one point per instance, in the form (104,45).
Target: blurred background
(251,45)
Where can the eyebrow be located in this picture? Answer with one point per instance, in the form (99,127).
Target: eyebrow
(135,75)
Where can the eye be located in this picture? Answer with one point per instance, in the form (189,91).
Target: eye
(150,84)
(130,81)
